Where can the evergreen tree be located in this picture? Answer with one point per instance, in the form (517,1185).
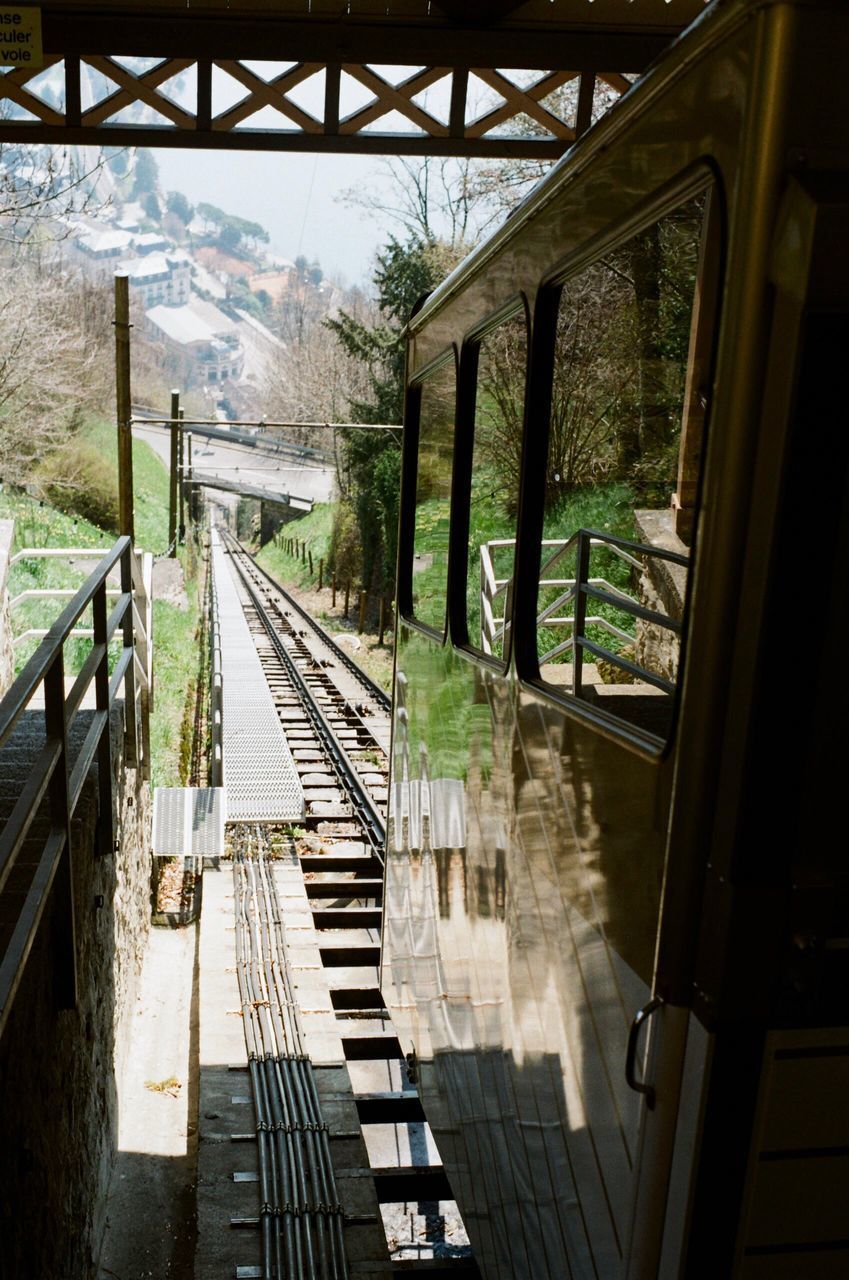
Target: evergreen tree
(145,173)
(177,204)
(372,459)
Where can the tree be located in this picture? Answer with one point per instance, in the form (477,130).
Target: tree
(500,185)
(316,379)
(371,460)
(41,186)
(150,204)
(176,203)
(56,344)
(145,173)
(435,200)
(230,237)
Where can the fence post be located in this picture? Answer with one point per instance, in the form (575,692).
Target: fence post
(189,478)
(172,480)
(347,597)
(124,405)
(320,574)
(333,589)
(582,573)
(382,624)
(181,464)
(105,822)
(362,612)
(309,553)
(131,737)
(303,552)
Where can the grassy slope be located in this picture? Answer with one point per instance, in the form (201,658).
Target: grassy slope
(150,483)
(314,529)
(39,525)
(607,508)
(175,669)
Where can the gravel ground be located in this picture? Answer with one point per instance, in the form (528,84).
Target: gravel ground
(375,660)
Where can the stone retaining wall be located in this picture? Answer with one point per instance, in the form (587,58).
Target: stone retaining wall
(58,1069)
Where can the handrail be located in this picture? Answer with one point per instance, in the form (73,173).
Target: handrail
(54,775)
(579,590)
(22,689)
(216,708)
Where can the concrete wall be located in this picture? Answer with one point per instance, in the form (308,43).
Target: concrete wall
(7,653)
(58,1068)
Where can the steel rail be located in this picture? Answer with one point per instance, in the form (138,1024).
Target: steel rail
(365,810)
(375,691)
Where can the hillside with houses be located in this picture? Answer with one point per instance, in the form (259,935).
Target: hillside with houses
(218,307)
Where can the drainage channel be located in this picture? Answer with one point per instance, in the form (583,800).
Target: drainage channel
(336,742)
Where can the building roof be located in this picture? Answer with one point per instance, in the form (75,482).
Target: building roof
(152,265)
(103,241)
(196,321)
(151,240)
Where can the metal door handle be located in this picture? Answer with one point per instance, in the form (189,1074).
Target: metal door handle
(631,1056)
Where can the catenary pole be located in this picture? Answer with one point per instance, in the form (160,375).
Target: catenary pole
(172,487)
(122,386)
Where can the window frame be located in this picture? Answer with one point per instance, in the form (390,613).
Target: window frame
(702,177)
(517,305)
(409,483)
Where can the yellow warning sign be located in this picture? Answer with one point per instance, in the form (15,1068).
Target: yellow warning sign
(20,38)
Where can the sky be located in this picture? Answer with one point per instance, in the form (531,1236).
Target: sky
(295,197)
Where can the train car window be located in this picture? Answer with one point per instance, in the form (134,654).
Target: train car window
(433,495)
(496,464)
(625,438)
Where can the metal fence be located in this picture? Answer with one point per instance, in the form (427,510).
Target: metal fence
(57,778)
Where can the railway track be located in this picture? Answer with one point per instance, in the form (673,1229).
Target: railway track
(337,726)
(291,607)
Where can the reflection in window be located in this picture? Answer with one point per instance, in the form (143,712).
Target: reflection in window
(625,438)
(496,464)
(433,495)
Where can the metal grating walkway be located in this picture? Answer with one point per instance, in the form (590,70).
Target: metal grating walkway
(188,821)
(260,777)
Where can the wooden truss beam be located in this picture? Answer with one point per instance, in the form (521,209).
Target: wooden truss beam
(97,99)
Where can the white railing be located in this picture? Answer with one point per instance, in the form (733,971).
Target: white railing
(141,563)
(495,591)
(496,595)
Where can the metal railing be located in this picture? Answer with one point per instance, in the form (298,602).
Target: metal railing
(576,591)
(58,778)
(216,692)
(143,597)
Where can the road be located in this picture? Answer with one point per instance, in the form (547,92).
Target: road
(235,462)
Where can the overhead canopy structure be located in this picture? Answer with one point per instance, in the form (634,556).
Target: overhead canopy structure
(333,75)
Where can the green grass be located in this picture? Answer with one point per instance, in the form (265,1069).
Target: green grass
(606,508)
(174,630)
(175,660)
(40,525)
(315,530)
(150,484)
